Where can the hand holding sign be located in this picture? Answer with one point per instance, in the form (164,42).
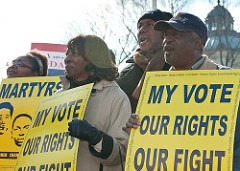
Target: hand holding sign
(84,131)
(131,123)
(187,122)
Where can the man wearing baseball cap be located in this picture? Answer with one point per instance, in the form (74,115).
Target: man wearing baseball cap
(184,38)
(149,55)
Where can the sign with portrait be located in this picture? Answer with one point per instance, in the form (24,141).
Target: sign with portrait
(48,145)
(19,98)
(187,121)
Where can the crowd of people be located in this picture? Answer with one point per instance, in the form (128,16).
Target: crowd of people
(165,43)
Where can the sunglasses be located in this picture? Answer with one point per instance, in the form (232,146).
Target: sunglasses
(18,64)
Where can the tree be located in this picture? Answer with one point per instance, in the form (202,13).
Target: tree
(129,12)
(175,6)
(120,29)
(116,23)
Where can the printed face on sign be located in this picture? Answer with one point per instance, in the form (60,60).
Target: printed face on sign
(20,126)
(5,118)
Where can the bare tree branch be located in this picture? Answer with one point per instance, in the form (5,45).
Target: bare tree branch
(116,23)
(175,6)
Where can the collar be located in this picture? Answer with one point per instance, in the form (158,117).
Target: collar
(65,82)
(196,66)
(97,86)
(75,83)
(103,83)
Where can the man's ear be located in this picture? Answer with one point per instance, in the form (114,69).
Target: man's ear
(198,44)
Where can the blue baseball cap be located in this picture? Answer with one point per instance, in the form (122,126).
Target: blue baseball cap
(156,15)
(184,22)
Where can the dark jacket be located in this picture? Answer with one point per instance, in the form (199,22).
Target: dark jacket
(131,75)
(128,81)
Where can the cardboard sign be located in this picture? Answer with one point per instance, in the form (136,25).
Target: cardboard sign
(48,145)
(19,98)
(187,121)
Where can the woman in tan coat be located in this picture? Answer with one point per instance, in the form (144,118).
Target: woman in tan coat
(103,144)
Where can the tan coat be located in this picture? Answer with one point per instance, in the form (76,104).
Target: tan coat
(205,64)
(108,109)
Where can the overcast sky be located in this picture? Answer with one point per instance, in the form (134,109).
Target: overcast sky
(44,21)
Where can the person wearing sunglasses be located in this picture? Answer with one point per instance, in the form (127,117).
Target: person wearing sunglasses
(34,63)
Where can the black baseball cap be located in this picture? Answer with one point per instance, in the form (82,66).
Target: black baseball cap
(156,15)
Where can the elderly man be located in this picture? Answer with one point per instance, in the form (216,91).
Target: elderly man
(184,38)
(148,57)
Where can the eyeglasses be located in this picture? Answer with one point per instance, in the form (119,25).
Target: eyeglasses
(18,64)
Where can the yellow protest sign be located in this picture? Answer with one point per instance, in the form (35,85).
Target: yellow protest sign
(187,121)
(19,98)
(48,145)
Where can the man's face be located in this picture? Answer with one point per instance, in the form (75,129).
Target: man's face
(178,48)
(149,40)
(5,118)
(20,128)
